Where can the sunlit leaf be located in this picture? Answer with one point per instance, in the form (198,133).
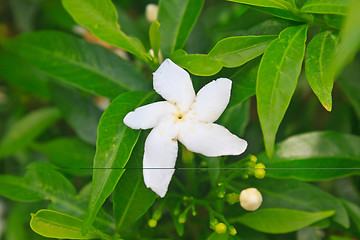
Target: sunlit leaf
(340,7)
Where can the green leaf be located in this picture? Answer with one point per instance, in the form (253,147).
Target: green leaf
(308,233)
(298,195)
(235,51)
(318,58)
(177,25)
(340,7)
(100,17)
(52,224)
(279,4)
(114,146)
(277,220)
(315,156)
(354,212)
(28,78)
(16,188)
(131,197)
(349,39)
(25,130)
(230,52)
(277,79)
(106,74)
(71,154)
(294,15)
(236,118)
(84,111)
(154,35)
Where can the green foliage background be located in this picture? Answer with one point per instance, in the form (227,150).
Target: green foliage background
(77,168)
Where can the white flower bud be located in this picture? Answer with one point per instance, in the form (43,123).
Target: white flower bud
(151,12)
(250,199)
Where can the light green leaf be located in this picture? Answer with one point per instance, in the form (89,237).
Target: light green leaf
(318,58)
(177,25)
(114,146)
(235,51)
(315,156)
(52,224)
(100,17)
(79,63)
(16,188)
(70,154)
(277,79)
(279,4)
(25,130)
(349,39)
(131,197)
(230,52)
(154,35)
(277,220)
(340,7)
(297,195)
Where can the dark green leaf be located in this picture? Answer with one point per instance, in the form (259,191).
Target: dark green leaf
(340,7)
(52,224)
(308,233)
(277,220)
(298,195)
(79,63)
(319,54)
(100,17)
(154,35)
(315,156)
(354,212)
(277,79)
(177,25)
(16,188)
(25,130)
(131,197)
(71,154)
(114,146)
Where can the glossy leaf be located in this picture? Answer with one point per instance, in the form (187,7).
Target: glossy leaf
(131,197)
(100,17)
(230,52)
(106,74)
(279,4)
(84,111)
(318,58)
(349,39)
(298,195)
(340,7)
(114,146)
(277,220)
(294,15)
(277,79)
(315,156)
(154,35)
(70,154)
(52,224)
(177,25)
(16,188)
(25,130)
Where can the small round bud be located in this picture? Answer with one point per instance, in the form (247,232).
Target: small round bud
(157,214)
(151,12)
(152,223)
(259,171)
(232,198)
(232,231)
(253,158)
(182,218)
(250,199)
(193,211)
(220,228)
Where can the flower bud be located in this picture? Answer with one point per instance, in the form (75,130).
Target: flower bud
(157,214)
(232,231)
(253,158)
(259,171)
(250,199)
(220,228)
(152,223)
(151,12)
(182,218)
(232,198)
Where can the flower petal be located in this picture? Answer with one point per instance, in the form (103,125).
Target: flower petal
(160,152)
(174,84)
(210,139)
(211,100)
(148,116)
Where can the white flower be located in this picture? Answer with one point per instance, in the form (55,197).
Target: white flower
(184,117)
(250,199)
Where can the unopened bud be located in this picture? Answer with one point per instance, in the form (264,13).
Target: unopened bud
(250,199)
(182,218)
(193,211)
(152,223)
(232,198)
(259,171)
(232,230)
(157,214)
(151,12)
(220,228)
(253,158)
